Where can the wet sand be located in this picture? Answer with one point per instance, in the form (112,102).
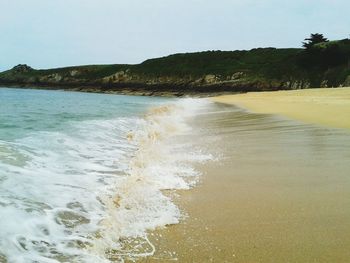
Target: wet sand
(329,107)
(280,192)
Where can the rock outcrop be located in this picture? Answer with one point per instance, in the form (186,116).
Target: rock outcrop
(261,69)
(22,68)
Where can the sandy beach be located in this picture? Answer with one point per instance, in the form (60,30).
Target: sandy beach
(279,191)
(326,106)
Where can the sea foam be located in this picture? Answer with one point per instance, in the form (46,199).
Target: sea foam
(158,163)
(90,192)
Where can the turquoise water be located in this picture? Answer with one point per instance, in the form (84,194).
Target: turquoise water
(24,111)
(80,172)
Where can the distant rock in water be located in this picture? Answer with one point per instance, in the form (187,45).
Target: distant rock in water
(22,68)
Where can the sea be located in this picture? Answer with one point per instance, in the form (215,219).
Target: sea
(85,177)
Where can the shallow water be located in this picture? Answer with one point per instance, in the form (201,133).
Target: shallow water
(280,192)
(81,174)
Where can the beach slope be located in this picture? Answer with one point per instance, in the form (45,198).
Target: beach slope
(326,106)
(278,191)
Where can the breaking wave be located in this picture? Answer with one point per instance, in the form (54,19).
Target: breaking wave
(90,192)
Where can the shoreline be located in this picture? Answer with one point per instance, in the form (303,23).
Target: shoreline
(328,107)
(278,194)
(280,187)
(125,91)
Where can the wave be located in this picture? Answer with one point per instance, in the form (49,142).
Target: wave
(91,193)
(159,163)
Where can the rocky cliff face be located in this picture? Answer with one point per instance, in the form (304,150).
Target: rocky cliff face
(259,69)
(347,82)
(126,81)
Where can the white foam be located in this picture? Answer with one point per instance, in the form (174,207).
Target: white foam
(83,191)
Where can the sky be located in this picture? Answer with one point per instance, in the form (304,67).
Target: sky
(57,33)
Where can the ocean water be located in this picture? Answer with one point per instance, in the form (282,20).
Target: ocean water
(81,175)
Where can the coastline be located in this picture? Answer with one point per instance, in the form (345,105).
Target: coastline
(324,106)
(129,91)
(114,165)
(278,193)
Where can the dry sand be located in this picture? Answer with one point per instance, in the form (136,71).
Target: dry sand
(280,192)
(327,106)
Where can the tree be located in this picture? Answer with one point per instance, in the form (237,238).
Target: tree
(314,39)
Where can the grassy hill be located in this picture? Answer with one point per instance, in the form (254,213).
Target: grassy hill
(324,64)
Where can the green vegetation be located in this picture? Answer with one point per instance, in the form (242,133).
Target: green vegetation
(320,63)
(262,61)
(313,40)
(327,61)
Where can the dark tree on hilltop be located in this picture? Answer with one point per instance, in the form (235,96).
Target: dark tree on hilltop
(314,39)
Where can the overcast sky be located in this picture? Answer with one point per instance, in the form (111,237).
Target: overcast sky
(55,33)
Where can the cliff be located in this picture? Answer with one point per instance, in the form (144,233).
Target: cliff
(262,69)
